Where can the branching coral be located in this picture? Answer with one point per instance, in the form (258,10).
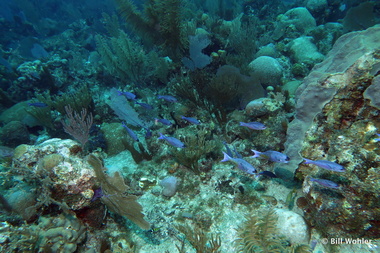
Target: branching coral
(200,241)
(124,57)
(197,146)
(78,99)
(160,24)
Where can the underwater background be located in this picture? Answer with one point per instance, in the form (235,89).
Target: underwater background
(190,126)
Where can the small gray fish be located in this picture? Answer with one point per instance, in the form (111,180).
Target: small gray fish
(326,165)
(253,125)
(272,156)
(325,182)
(241,164)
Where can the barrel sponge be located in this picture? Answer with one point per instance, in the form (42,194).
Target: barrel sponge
(266,70)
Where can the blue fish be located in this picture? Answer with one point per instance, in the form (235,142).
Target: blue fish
(172,141)
(127,94)
(325,182)
(98,193)
(38,104)
(241,163)
(377,139)
(163,121)
(272,156)
(167,98)
(148,133)
(130,132)
(191,120)
(253,125)
(145,105)
(229,152)
(326,165)
(267,174)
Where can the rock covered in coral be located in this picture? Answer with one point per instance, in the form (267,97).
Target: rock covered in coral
(59,234)
(22,200)
(294,22)
(263,106)
(334,73)
(316,5)
(18,112)
(62,233)
(72,179)
(14,133)
(32,75)
(334,121)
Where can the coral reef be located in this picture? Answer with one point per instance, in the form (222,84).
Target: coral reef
(62,233)
(118,78)
(71,180)
(321,86)
(339,128)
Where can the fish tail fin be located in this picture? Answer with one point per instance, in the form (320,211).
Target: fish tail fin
(162,137)
(226,157)
(256,153)
(241,123)
(307,161)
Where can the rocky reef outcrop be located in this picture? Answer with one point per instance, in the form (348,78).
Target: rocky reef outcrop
(336,120)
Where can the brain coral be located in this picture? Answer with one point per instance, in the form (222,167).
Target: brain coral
(267,70)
